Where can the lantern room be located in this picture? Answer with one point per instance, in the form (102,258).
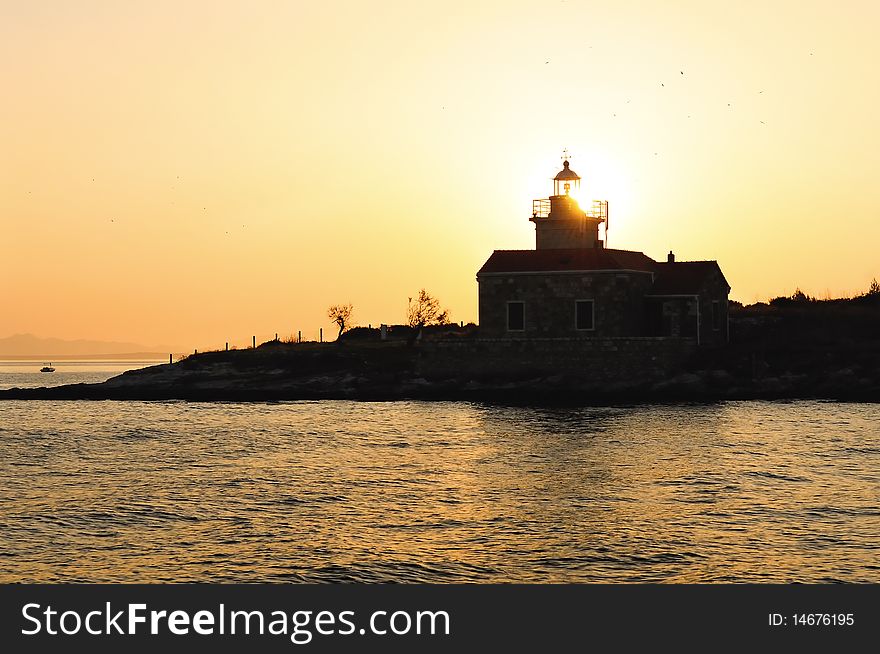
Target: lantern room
(566,182)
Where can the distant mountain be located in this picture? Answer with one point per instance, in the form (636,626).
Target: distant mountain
(21,345)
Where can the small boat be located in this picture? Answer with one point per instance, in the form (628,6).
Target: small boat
(47,368)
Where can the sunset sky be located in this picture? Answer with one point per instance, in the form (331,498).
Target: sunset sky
(188,173)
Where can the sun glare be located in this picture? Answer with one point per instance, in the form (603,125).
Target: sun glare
(603,179)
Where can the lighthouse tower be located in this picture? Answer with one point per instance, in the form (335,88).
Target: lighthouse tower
(560,222)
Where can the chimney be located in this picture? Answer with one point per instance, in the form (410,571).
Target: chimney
(670,258)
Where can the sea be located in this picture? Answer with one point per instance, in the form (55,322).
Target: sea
(443,492)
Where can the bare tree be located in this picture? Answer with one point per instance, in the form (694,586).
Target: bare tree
(425,311)
(341,315)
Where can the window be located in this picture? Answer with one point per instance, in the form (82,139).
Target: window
(584,318)
(716,315)
(516,321)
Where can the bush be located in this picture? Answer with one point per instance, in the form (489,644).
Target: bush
(361,334)
(798,297)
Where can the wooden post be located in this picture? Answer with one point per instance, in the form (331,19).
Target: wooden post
(227,346)
(321,334)
(276,336)
(255,342)
(299,336)
(169,359)
(195,351)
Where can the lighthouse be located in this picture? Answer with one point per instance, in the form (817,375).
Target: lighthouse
(560,222)
(573,287)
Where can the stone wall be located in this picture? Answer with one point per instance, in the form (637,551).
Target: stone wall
(672,316)
(714,289)
(603,360)
(619,298)
(554,233)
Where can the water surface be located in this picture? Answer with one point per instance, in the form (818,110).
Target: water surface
(438,492)
(25,373)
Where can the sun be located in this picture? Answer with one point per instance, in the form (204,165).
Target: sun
(600,182)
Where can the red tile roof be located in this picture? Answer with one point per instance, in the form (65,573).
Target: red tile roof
(517,261)
(684,277)
(679,278)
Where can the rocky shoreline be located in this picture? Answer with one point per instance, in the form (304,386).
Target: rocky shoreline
(790,349)
(333,373)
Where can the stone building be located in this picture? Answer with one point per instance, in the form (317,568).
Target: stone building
(571,286)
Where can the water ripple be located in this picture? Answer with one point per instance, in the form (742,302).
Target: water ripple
(438,492)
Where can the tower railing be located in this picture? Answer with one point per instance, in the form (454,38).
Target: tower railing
(598,209)
(540,208)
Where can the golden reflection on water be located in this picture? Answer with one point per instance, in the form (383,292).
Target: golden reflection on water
(444,492)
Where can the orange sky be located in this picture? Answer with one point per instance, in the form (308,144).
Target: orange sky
(191,173)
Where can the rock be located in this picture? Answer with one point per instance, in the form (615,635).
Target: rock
(719,377)
(685,382)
